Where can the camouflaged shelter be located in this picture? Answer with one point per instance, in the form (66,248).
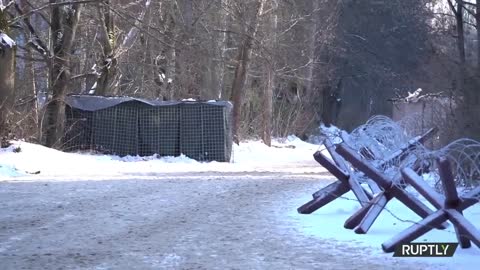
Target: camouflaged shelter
(132,126)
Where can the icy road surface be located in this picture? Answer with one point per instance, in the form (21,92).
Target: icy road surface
(208,220)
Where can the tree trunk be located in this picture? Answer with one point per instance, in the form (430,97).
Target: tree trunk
(188,15)
(147,59)
(108,65)
(268,109)
(312,48)
(243,60)
(7,77)
(220,48)
(332,103)
(468,91)
(270,67)
(170,75)
(7,82)
(64,24)
(477,21)
(107,81)
(30,69)
(461,41)
(166,62)
(88,63)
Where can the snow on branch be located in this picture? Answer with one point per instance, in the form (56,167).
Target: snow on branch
(132,34)
(416,96)
(49,5)
(3,7)
(6,41)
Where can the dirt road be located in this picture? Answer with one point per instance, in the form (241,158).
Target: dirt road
(176,221)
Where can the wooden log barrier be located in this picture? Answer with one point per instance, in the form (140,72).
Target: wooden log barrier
(365,218)
(449,207)
(345,182)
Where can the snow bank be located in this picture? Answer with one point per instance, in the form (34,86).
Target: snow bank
(252,156)
(9,171)
(290,150)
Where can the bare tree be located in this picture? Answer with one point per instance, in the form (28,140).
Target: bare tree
(7,74)
(107,81)
(270,76)
(286,65)
(220,48)
(457,9)
(166,59)
(107,69)
(64,22)
(241,69)
(477,23)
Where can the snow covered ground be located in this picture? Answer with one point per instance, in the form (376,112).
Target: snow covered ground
(328,223)
(34,163)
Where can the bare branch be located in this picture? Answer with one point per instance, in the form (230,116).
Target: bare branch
(127,16)
(452,6)
(49,5)
(469,11)
(38,45)
(468,3)
(41,60)
(40,13)
(81,76)
(132,34)
(9,4)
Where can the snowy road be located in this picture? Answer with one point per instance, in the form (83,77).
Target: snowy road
(177,221)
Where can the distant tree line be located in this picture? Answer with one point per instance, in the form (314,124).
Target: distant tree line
(286,65)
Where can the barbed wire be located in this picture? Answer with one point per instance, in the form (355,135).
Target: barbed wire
(380,135)
(383,137)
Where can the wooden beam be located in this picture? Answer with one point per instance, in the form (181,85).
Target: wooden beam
(465,230)
(378,204)
(423,188)
(446,176)
(366,168)
(324,196)
(331,167)
(415,231)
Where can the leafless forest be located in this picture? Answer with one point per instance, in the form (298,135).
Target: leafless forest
(286,65)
